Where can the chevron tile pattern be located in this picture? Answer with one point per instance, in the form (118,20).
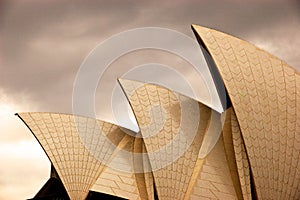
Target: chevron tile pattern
(204,123)
(231,155)
(241,158)
(75,156)
(167,118)
(117,183)
(186,150)
(214,180)
(265,95)
(144,178)
(236,155)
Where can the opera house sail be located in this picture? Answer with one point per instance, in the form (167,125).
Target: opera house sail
(184,148)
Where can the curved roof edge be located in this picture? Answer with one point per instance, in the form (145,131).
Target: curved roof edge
(265,94)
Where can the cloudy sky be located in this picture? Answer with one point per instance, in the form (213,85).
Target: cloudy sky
(43,43)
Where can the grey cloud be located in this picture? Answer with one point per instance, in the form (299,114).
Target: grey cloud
(45,43)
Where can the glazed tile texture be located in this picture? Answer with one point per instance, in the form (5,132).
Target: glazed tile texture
(117,183)
(236,155)
(120,183)
(210,176)
(167,118)
(256,155)
(265,94)
(214,180)
(78,166)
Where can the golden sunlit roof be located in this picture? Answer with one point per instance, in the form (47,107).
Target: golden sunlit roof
(185,149)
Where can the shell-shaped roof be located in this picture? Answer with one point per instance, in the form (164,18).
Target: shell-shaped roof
(186,150)
(265,94)
(170,126)
(78,147)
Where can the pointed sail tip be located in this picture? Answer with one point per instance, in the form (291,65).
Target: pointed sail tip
(195,26)
(120,79)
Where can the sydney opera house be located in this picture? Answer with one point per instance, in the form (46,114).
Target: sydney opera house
(246,145)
